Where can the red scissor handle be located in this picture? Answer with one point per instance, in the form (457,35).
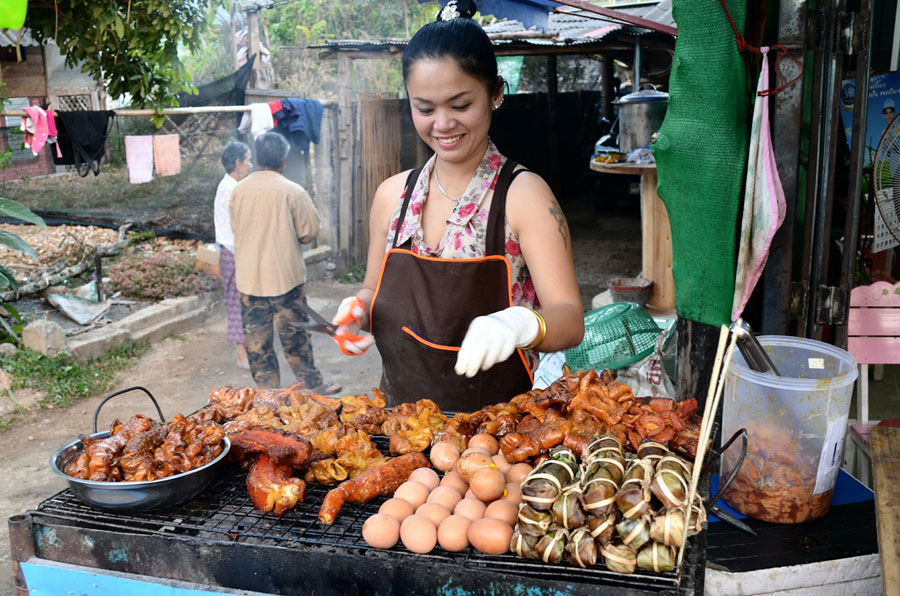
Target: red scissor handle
(350,317)
(343,338)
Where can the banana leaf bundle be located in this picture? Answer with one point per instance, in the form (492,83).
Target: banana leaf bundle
(668,527)
(600,445)
(552,545)
(609,461)
(567,510)
(656,557)
(533,522)
(548,480)
(524,545)
(634,532)
(671,480)
(619,558)
(602,528)
(633,497)
(581,549)
(651,450)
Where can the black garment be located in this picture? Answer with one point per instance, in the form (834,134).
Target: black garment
(422,310)
(82,138)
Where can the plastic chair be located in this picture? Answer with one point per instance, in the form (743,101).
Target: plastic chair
(873,337)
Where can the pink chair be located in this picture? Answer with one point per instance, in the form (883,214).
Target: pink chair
(873,337)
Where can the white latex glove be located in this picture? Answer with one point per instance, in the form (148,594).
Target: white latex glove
(493,338)
(349,317)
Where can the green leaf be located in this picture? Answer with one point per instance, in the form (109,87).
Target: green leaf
(120,27)
(7,280)
(10,208)
(14,242)
(9,330)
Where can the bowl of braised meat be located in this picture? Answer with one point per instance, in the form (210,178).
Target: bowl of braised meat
(141,464)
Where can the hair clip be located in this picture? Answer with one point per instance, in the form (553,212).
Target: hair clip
(450,11)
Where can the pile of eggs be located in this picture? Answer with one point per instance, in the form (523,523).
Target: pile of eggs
(476,502)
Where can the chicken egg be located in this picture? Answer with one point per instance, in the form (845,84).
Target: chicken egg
(426,476)
(436,513)
(500,461)
(452,478)
(444,455)
(477,450)
(399,509)
(381,531)
(452,532)
(418,534)
(469,494)
(490,536)
(446,496)
(513,493)
(503,510)
(471,462)
(518,472)
(414,493)
(471,509)
(488,483)
(487,441)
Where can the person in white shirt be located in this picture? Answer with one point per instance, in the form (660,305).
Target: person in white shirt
(236,159)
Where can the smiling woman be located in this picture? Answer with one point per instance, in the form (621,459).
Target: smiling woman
(470,265)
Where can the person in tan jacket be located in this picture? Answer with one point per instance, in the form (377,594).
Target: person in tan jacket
(271,217)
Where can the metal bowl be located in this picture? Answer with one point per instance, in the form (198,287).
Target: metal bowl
(131,497)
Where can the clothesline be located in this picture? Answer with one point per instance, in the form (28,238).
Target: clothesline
(152,112)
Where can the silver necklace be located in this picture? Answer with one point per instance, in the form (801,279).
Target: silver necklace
(441,187)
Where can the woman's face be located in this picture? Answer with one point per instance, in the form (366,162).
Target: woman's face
(242,167)
(451,109)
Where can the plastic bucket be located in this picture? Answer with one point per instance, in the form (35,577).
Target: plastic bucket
(796,425)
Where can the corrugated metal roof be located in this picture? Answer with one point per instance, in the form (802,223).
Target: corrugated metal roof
(8,38)
(567,28)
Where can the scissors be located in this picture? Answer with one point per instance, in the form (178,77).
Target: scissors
(318,323)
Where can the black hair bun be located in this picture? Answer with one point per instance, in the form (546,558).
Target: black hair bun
(455,9)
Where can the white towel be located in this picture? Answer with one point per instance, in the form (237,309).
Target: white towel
(259,120)
(764,204)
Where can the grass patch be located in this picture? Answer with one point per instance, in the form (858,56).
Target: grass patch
(353,275)
(161,275)
(63,381)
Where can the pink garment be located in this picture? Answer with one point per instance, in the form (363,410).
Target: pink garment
(167,155)
(40,128)
(139,156)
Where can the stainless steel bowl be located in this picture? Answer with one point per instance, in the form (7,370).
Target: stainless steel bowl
(130,497)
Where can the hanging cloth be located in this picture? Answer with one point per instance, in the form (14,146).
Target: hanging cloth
(82,139)
(300,120)
(139,156)
(166,155)
(258,120)
(764,204)
(39,127)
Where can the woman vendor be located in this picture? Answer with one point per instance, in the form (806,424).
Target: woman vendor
(469,268)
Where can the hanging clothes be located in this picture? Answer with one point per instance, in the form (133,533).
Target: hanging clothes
(167,155)
(300,120)
(82,138)
(274,106)
(258,120)
(139,156)
(39,127)
(764,204)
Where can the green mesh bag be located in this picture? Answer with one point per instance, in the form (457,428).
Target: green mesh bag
(701,154)
(615,336)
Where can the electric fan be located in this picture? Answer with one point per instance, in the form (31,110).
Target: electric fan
(886,173)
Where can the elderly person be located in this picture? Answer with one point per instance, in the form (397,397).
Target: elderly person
(271,216)
(236,159)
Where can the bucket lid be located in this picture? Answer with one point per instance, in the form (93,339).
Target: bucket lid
(645,96)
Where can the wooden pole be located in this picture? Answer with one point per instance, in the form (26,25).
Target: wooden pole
(345,157)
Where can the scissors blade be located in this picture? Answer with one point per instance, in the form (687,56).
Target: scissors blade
(318,322)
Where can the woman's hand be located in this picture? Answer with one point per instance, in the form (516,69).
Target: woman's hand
(493,338)
(349,319)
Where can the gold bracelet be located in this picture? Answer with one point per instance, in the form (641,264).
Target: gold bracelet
(542,332)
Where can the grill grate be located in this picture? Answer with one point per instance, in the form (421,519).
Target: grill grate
(224,512)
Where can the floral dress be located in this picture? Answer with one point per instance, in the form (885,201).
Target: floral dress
(464,237)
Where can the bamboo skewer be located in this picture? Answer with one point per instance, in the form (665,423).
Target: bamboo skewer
(713,395)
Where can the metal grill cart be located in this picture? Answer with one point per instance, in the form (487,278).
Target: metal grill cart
(218,540)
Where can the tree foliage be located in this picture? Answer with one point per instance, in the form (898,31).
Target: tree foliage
(131,44)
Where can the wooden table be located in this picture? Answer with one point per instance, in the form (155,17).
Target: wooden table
(656,235)
(886,474)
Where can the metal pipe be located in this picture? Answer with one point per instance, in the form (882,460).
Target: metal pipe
(857,159)
(622,17)
(636,85)
(21,548)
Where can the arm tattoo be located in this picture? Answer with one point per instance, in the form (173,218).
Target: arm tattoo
(557,214)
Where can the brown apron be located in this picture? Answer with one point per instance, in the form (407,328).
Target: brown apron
(422,309)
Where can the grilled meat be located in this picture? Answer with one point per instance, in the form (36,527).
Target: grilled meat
(272,488)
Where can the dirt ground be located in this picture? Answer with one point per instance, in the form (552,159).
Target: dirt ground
(180,372)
